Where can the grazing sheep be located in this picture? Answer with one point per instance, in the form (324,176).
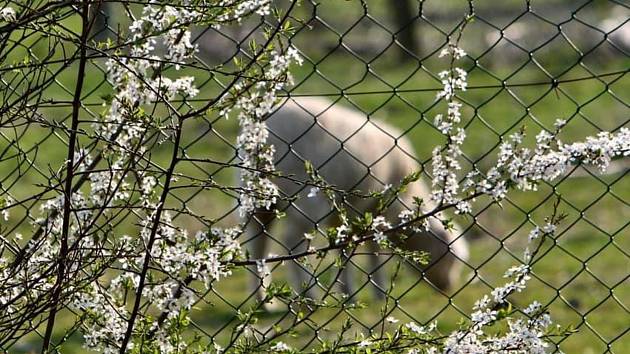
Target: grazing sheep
(350,152)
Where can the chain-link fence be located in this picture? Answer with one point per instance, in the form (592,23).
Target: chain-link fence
(361,108)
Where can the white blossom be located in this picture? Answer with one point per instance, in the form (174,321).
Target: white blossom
(364,343)
(380,224)
(262,268)
(445,160)
(313,192)
(8,14)
(533,308)
(414,327)
(256,155)
(391,319)
(452,50)
(243,8)
(5,204)
(280,347)
(525,168)
(160,36)
(342,232)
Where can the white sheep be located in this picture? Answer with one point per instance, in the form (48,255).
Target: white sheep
(350,152)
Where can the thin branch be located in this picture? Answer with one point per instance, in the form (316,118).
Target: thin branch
(67,203)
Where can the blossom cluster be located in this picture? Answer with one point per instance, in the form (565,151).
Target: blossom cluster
(516,167)
(525,168)
(174,255)
(8,14)
(445,160)
(158,42)
(32,272)
(177,256)
(136,77)
(237,10)
(523,334)
(454,79)
(137,80)
(379,225)
(526,331)
(257,156)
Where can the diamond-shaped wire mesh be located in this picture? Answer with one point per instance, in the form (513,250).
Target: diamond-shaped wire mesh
(529,63)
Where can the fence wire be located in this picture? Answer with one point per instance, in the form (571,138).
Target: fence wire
(529,63)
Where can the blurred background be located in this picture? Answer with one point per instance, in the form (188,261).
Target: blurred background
(529,63)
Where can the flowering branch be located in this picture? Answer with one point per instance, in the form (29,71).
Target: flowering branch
(134,291)
(67,197)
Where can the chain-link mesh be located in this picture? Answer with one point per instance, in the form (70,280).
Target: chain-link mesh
(529,63)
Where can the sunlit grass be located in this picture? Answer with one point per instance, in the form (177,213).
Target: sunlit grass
(583,278)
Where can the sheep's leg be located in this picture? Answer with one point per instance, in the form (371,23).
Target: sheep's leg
(377,272)
(447,251)
(302,278)
(348,285)
(447,256)
(348,276)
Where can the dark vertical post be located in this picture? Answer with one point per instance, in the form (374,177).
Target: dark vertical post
(404,16)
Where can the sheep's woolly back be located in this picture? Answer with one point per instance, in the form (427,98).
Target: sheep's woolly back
(341,143)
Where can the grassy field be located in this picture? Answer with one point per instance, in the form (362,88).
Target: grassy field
(583,278)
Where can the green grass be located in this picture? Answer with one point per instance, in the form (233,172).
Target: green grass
(582,278)
(577,295)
